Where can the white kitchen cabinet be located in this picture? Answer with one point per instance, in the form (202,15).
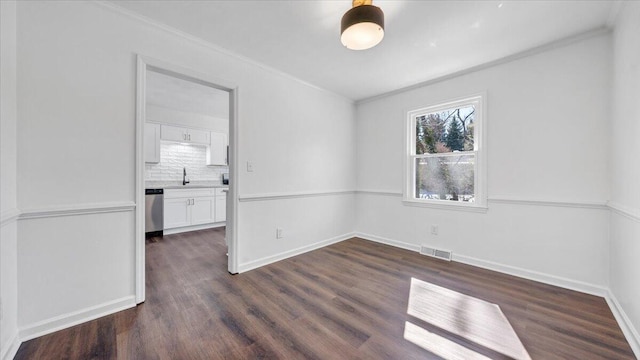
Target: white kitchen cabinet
(151,143)
(184,135)
(189,207)
(177,213)
(173,133)
(198,136)
(221,205)
(203,210)
(217,150)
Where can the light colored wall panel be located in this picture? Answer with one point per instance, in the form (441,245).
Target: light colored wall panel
(625,113)
(8,106)
(76,137)
(546,135)
(625,169)
(297,140)
(78,104)
(8,186)
(547,140)
(305,221)
(9,289)
(561,245)
(625,272)
(71,263)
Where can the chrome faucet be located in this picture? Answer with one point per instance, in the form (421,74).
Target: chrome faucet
(185,181)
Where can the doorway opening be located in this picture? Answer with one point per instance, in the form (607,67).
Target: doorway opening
(186,138)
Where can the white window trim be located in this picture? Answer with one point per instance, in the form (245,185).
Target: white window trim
(480,150)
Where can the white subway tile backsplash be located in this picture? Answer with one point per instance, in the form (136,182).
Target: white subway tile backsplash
(175,156)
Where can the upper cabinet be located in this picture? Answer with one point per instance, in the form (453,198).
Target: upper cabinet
(217,153)
(216,142)
(184,135)
(151,143)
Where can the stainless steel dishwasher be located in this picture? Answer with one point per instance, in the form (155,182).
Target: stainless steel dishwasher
(153,212)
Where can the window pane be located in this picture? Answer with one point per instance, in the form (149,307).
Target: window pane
(445,131)
(446,178)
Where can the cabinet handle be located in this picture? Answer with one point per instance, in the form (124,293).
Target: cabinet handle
(189,137)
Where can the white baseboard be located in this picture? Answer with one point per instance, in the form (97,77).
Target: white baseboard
(629,331)
(287,254)
(534,275)
(193,228)
(74,318)
(506,269)
(386,241)
(11,348)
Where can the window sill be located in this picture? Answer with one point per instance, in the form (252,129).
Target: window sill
(444,205)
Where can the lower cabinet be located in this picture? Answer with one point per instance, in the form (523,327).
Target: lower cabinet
(176,212)
(221,204)
(189,207)
(203,210)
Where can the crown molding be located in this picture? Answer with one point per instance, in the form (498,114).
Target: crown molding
(603,30)
(211,46)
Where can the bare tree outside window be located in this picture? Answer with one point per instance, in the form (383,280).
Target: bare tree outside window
(444,155)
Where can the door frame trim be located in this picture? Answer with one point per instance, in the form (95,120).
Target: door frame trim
(145,63)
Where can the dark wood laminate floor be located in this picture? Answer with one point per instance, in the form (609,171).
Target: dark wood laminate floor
(345,301)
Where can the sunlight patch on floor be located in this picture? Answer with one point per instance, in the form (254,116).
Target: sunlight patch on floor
(439,345)
(473,319)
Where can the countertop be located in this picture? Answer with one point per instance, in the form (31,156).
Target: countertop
(178,185)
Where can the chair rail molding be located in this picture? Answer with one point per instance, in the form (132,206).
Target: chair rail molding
(77,209)
(548,202)
(513,200)
(628,212)
(8,216)
(293,195)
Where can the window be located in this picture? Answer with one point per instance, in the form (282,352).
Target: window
(445,162)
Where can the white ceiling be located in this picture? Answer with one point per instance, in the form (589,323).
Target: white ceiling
(423,40)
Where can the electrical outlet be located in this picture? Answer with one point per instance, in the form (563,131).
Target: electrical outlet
(249,166)
(434,229)
(279,233)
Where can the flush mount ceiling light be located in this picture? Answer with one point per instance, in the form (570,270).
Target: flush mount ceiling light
(362,26)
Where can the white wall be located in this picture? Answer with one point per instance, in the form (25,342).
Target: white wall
(547,140)
(8,204)
(76,101)
(625,168)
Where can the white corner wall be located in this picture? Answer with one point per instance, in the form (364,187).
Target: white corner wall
(625,172)
(8,204)
(76,160)
(547,140)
